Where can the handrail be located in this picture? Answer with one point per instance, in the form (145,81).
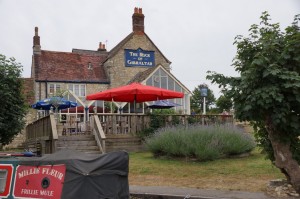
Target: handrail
(54,137)
(99,133)
(53,127)
(43,130)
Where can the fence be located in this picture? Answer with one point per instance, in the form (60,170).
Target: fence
(133,123)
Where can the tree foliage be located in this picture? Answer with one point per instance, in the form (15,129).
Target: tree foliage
(268,89)
(224,103)
(12,109)
(197,99)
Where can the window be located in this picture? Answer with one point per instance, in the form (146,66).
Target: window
(149,82)
(156,81)
(6,172)
(3,177)
(82,89)
(78,89)
(164,82)
(89,65)
(177,87)
(54,88)
(170,84)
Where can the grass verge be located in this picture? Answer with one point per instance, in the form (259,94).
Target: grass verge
(245,174)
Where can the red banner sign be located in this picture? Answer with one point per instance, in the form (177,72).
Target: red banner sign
(39,182)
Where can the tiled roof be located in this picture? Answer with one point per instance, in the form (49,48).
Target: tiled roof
(64,66)
(141,76)
(116,49)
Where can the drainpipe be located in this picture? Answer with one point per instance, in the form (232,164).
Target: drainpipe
(46,90)
(40,90)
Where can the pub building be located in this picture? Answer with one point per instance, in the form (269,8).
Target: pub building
(82,72)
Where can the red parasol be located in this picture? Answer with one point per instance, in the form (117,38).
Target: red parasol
(135,92)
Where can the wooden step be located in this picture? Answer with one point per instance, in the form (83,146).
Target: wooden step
(123,142)
(113,142)
(80,148)
(77,143)
(77,137)
(83,143)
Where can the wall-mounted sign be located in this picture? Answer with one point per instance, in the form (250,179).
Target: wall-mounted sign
(139,57)
(39,182)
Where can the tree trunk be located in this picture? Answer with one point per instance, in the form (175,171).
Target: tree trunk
(283,156)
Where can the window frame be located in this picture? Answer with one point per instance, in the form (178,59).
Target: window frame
(56,88)
(7,179)
(81,89)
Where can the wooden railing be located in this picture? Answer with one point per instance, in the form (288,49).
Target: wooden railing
(123,123)
(133,123)
(216,119)
(98,132)
(43,131)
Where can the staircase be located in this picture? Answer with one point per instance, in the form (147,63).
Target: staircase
(87,143)
(128,143)
(83,143)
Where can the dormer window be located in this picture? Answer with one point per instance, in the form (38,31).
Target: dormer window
(89,65)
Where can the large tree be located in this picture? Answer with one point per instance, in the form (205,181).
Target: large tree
(224,103)
(268,91)
(12,108)
(197,99)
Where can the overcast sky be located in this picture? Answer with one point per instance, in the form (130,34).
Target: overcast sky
(195,35)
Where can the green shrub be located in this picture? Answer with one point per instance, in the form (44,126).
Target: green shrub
(158,120)
(192,119)
(200,142)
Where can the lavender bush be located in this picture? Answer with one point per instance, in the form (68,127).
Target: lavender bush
(201,142)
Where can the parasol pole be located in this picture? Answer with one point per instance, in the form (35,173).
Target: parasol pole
(134,104)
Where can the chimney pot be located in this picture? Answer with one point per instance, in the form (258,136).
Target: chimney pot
(36,30)
(36,41)
(101,47)
(138,21)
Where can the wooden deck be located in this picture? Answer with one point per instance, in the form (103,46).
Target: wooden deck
(47,132)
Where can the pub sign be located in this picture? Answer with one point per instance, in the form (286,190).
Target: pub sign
(203,92)
(139,57)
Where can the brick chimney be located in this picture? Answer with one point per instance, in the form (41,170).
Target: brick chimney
(101,47)
(138,21)
(36,42)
